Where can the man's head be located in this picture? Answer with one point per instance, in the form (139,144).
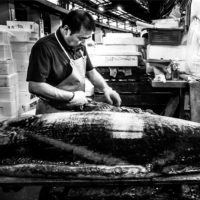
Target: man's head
(77,26)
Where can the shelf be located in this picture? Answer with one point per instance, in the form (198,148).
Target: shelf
(170,84)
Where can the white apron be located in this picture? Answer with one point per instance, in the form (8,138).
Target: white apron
(74,82)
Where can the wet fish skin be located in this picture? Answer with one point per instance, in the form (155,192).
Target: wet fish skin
(136,138)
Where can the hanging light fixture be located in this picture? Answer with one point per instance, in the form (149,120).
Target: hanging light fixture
(119,8)
(101,8)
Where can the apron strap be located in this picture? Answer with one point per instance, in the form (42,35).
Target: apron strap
(62,47)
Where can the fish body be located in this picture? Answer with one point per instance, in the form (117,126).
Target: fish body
(133,138)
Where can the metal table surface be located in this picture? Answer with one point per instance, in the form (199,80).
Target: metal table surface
(160,180)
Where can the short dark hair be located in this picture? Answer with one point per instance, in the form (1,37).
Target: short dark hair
(75,19)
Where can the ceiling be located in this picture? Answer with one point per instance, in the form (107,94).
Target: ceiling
(145,10)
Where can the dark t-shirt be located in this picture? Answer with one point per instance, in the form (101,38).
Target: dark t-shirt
(48,62)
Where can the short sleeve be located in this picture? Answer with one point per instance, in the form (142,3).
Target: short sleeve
(39,64)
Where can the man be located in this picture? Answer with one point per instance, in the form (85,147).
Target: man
(59,64)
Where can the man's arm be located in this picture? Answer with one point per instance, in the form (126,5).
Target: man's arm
(52,93)
(98,81)
(47,91)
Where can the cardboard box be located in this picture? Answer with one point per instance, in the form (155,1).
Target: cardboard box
(5,52)
(7,67)
(115,61)
(23,25)
(8,80)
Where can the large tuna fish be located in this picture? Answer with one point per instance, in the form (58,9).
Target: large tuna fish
(113,137)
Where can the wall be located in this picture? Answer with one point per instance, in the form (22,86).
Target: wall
(5,10)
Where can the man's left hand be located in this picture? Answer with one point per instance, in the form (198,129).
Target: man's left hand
(112,97)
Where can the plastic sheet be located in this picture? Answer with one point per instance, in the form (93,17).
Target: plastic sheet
(193,40)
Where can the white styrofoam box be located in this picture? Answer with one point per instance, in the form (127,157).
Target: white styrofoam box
(22,46)
(115,61)
(25,97)
(23,25)
(5,52)
(23,86)
(181,65)
(23,36)
(8,93)
(116,50)
(194,68)
(8,80)
(7,67)
(21,55)
(166,23)
(22,65)
(8,109)
(122,38)
(166,52)
(98,35)
(91,50)
(5,37)
(89,88)
(3,28)
(22,75)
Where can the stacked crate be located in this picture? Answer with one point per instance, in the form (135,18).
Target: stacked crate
(166,44)
(8,79)
(118,62)
(22,42)
(117,57)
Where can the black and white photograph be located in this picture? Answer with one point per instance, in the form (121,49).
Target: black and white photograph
(99,99)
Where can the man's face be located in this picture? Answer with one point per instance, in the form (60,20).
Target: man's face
(75,39)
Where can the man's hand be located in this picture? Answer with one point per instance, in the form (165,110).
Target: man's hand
(79,99)
(112,97)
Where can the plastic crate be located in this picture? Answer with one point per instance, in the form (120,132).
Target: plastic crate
(9,93)
(22,46)
(4,37)
(7,67)
(5,52)
(8,80)
(22,65)
(164,36)
(8,109)
(25,97)
(28,26)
